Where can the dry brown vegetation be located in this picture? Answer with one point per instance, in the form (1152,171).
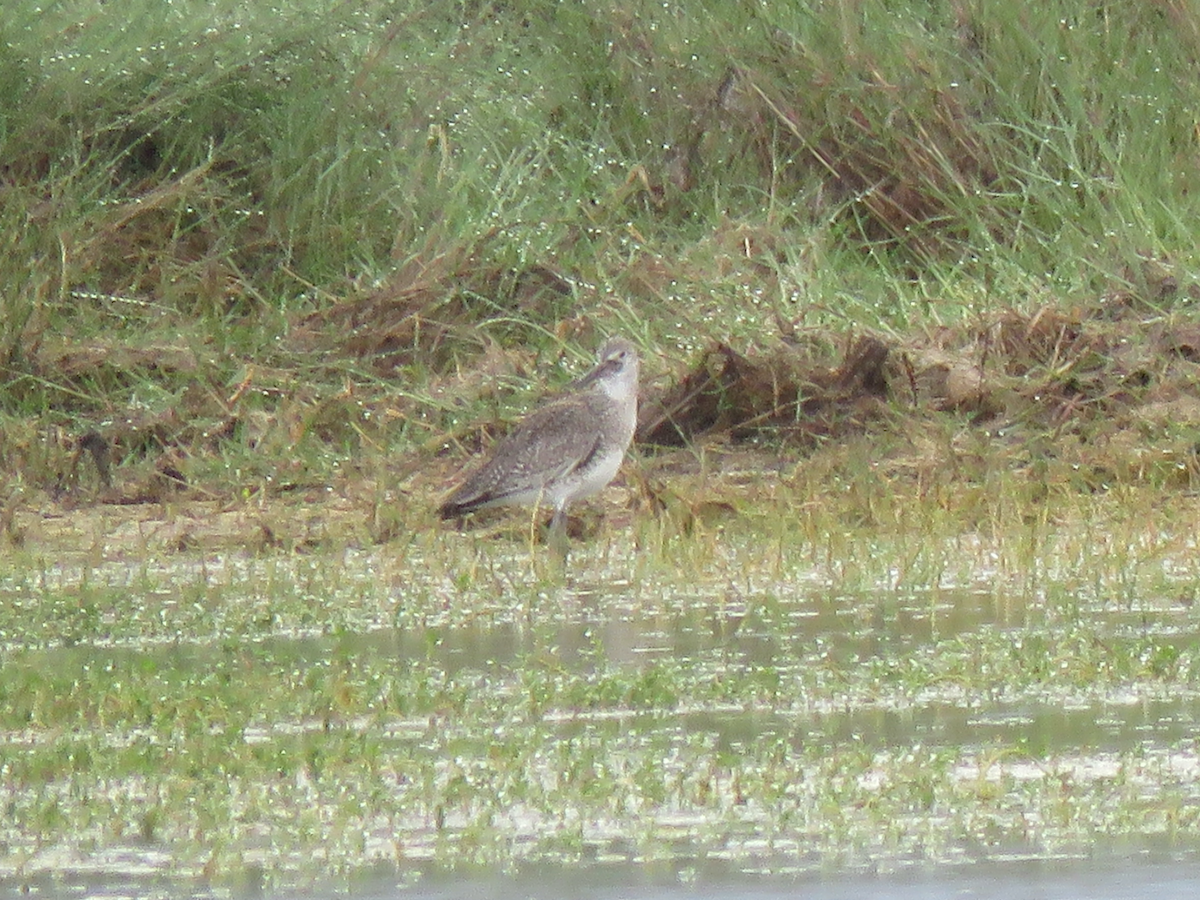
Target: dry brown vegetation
(1109,391)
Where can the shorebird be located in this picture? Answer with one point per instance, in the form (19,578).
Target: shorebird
(567,449)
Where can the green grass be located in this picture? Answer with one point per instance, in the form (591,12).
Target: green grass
(223,163)
(190,195)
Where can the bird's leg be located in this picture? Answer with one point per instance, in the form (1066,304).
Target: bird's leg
(556,536)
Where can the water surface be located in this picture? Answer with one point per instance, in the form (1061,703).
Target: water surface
(256,725)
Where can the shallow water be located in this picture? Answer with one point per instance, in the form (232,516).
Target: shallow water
(1017,880)
(1107,879)
(250,726)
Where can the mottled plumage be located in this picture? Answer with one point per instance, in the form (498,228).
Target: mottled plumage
(569,448)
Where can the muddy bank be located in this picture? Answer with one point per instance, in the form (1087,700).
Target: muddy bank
(1110,392)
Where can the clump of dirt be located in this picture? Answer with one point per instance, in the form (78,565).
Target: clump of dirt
(787,391)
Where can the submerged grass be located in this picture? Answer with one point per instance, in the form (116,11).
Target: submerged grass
(858,700)
(780,722)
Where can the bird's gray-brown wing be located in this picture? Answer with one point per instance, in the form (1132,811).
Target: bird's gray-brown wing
(547,445)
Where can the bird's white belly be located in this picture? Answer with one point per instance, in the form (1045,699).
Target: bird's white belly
(595,478)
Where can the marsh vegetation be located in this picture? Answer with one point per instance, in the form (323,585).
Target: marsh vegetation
(902,569)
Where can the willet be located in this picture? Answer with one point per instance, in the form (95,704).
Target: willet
(567,449)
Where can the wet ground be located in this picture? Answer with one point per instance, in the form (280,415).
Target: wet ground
(760,727)
(1104,879)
